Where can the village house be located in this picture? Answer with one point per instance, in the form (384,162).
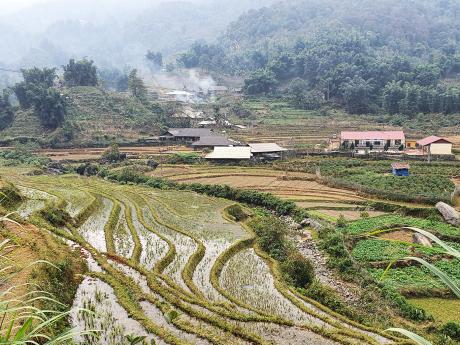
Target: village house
(187,135)
(373,140)
(434,145)
(181,96)
(267,150)
(230,154)
(212,142)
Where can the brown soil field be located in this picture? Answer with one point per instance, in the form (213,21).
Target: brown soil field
(79,154)
(349,215)
(399,235)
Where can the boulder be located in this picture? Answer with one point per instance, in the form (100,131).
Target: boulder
(308,222)
(422,240)
(449,213)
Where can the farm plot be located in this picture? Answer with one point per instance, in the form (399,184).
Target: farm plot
(155,253)
(382,245)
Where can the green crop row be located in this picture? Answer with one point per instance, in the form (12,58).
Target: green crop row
(371,250)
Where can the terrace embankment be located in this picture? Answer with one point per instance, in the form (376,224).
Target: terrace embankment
(166,282)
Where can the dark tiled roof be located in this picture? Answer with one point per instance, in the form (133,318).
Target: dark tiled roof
(215,140)
(190,132)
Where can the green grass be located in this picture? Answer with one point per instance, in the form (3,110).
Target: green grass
(443,310)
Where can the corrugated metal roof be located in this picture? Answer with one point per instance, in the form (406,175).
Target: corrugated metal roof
(190,132)
(239,152)
(215,140)
(398,166)
(266,148)
(431,140)
(373,135)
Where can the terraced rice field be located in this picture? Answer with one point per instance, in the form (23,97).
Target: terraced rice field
(171,267)
(298,187)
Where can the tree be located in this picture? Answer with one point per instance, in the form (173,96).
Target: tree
(6,111)
(155,58)
(50,108)
(37,91)
(261,81)
(393,94)
(357,95)
(136,86)
(80,73)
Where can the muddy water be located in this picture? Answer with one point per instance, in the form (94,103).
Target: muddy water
(109,317)
(247,277)
(93,229)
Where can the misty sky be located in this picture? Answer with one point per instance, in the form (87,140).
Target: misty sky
(14,5)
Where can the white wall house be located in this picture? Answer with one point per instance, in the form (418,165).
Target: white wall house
(435,145)
(378,140)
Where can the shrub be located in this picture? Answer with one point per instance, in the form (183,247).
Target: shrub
(236,212)
(452,330)
(10,196)
(87,169)
(113,155)
(55,216)
(341,222)
(298,270)
(271,235)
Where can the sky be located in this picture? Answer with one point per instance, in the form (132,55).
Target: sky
(8,6)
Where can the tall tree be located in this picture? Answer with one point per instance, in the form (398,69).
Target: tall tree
(80,73)
(6,110)
(37,91)
(136,86)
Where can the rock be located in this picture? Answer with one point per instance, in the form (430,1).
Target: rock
(308,222)
(449,213)
(422,240)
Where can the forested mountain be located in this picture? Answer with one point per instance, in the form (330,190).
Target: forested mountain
(400,56)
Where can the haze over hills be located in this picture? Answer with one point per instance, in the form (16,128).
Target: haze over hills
(111,32)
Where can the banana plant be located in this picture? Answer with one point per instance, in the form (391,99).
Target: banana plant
(453,286)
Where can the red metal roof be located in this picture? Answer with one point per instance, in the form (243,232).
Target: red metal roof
(373,135)
(432,139)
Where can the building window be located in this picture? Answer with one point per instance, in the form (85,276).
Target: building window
(377,143)
(398,142)
(356,142)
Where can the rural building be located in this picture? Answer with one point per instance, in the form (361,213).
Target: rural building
(188,135)
(400,169)
(213,141)
(226,154)
(270,151)
(218,90)
(207,124)
(434,145)
(411,143)
(375,140)
(181,96)
(188,117)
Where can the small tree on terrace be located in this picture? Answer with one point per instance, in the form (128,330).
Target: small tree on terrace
(80,73)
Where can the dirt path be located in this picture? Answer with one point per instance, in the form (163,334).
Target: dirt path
(308,247)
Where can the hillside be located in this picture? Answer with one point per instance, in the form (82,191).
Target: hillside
(94,116)
(396,57)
